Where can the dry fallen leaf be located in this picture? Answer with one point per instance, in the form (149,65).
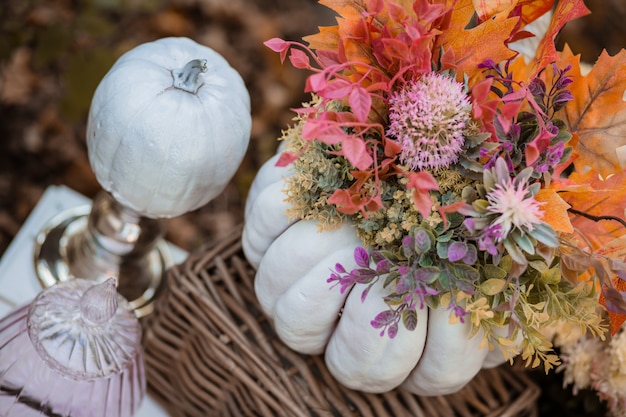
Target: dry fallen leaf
(17,80)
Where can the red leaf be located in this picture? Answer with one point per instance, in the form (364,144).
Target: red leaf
(361,178)
(299,59)
(336,89)
(448,59)
(450,208)
(395,47)
(351,202)
(328,58)
(360,103)
(375,5)
(355,151)
(344,202)
(429,12)
(480,91)
(285,159)
(396,12)
(323,131)
(316,82)
(347,202)
(392,148)
(422,182)
(538,145)
(278,45)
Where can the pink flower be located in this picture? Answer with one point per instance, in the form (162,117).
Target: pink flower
(515,206)
(428,118)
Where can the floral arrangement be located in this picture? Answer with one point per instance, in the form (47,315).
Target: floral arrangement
(476,178)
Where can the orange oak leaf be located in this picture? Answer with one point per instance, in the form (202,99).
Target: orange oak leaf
(469,45)
(598,112)
(555,210)
(531,9)
(350,13)
(604,199)
(326,40)
(565,11)
(488,8)
(348,35)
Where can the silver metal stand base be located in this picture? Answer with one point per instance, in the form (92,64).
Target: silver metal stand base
(102,241)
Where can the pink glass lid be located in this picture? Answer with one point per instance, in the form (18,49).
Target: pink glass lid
(84,330)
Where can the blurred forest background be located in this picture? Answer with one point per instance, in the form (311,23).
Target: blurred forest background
(53,53)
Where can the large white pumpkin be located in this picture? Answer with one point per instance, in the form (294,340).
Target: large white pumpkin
(294,260)
(168,127)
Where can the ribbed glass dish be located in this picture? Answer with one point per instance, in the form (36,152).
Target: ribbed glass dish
(74,351)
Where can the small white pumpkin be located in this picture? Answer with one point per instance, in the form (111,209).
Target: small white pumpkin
(168,126)
(294,260)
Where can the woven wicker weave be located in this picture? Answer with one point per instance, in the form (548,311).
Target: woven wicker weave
(210,352)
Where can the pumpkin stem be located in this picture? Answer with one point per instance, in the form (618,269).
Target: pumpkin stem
(188,79)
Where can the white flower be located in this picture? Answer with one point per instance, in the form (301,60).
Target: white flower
(516,207)
(578,360)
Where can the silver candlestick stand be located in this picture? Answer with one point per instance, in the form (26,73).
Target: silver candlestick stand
(108,240)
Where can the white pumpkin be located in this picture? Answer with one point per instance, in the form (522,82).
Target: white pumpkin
(168,127)
(294,260)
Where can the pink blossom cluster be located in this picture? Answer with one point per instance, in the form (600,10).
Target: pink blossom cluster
(428,118)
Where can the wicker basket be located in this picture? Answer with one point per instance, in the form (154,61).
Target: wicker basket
(210,352)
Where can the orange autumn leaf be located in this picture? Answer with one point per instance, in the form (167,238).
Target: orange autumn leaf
(598,112)
(588,193)
(350,15)
(470,48)
(463,14)
(531,9)
(488,8)
(326,40)
(565,11)
(554,210)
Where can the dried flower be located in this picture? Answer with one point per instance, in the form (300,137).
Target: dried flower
(428,118)
(578,362)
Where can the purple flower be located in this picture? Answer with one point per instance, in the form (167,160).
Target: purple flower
(361,257)
(489,238)
(458,311)
(428,118)
(555,153)
(488,64)
(553,157)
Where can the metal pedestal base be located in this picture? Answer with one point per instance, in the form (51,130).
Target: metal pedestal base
(74,244)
